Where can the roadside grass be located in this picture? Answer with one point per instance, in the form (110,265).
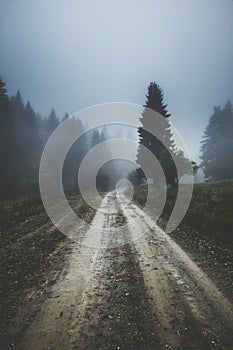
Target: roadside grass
(16,210)
(210,212)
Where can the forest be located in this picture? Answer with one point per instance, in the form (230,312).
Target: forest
(116,175)
(205,232)
(25,132)
(34,252)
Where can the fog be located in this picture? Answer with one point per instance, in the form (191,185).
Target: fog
(71,54)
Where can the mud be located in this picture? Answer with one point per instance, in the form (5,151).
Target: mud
(146,293)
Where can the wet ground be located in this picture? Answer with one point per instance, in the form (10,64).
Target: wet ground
(124,284)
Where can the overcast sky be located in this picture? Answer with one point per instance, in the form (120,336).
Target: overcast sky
(71,54)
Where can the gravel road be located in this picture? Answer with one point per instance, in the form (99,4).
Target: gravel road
(137,289)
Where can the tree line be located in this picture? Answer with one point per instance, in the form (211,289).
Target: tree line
(24,133)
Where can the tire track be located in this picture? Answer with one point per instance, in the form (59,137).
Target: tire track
(143,295)
(192,311)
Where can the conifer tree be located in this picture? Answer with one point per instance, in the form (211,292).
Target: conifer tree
(52,123)
(154,102)
(217,144)
(8,157)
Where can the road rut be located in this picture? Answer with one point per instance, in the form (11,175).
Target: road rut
(137,290)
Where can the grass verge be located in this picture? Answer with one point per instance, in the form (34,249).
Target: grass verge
(210,212)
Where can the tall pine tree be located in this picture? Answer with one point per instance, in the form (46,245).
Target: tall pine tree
(154,102)
(75,154)
(28,141)
(8,158)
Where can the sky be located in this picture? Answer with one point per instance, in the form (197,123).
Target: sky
(72,54)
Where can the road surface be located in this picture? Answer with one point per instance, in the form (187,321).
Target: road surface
(134,291)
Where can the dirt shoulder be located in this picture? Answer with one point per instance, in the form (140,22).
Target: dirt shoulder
(211,210)
(215,261)
(33,255)
(144,293)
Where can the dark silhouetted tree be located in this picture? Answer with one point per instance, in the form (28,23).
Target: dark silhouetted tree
(8,158)
(150,121)
(102,179)
(28,142)
(75,154)
(217,145)
(51,123)
(33,142)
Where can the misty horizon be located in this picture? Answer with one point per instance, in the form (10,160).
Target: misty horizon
(72,56)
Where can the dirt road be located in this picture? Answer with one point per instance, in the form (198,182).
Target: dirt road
(144,294)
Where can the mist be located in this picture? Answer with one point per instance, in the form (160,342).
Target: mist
(116,174)
(73,54)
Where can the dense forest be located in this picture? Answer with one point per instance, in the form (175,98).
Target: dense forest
(24,133)
(23,136)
